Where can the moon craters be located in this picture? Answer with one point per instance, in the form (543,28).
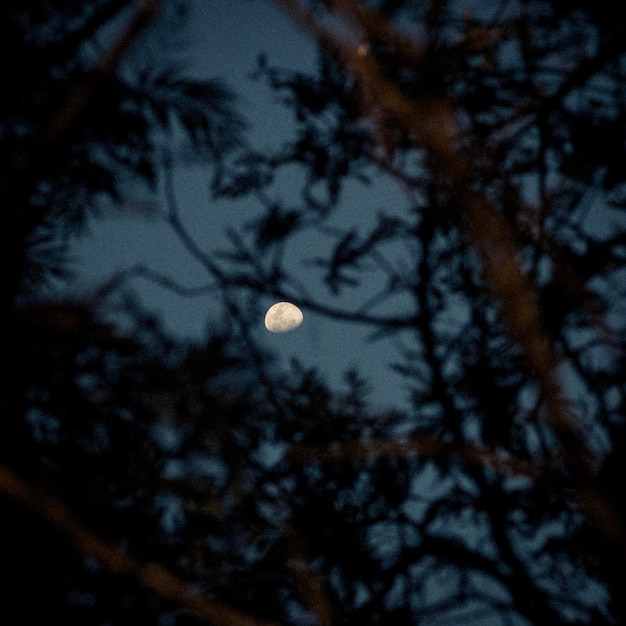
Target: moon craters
(283,317)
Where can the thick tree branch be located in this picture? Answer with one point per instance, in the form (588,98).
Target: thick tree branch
(150,575)
(432,122)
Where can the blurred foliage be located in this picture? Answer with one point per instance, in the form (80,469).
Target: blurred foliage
(515,109)
(268,492)
(75,132)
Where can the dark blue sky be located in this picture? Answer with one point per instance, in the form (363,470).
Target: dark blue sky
(224,40)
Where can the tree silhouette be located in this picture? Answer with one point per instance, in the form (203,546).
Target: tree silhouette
(499,269)
(82,400)
(76,130)
(151,480)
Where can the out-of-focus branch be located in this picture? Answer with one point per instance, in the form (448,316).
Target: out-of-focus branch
(422,445)
(309,583)
(150,575)
(84,92)
(431,121)
(25,164)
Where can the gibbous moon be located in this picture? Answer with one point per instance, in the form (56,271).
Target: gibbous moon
(283,317)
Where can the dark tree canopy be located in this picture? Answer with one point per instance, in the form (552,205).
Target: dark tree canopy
(150,480)
(77,128)
(500,275)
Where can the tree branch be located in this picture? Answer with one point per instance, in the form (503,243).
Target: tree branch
(432,122)
(421,445)
(150,575)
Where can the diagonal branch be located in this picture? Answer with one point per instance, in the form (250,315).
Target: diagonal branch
(432,122)
(82,93)
(150,575)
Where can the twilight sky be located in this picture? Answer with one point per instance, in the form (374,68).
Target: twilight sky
(224,40)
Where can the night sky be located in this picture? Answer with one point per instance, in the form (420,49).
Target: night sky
(495,490)
(222,40)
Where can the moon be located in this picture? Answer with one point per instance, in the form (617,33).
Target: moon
(283,317)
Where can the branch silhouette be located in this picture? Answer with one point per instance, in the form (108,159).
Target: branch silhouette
(432,122)
(421,445)
(150,575)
